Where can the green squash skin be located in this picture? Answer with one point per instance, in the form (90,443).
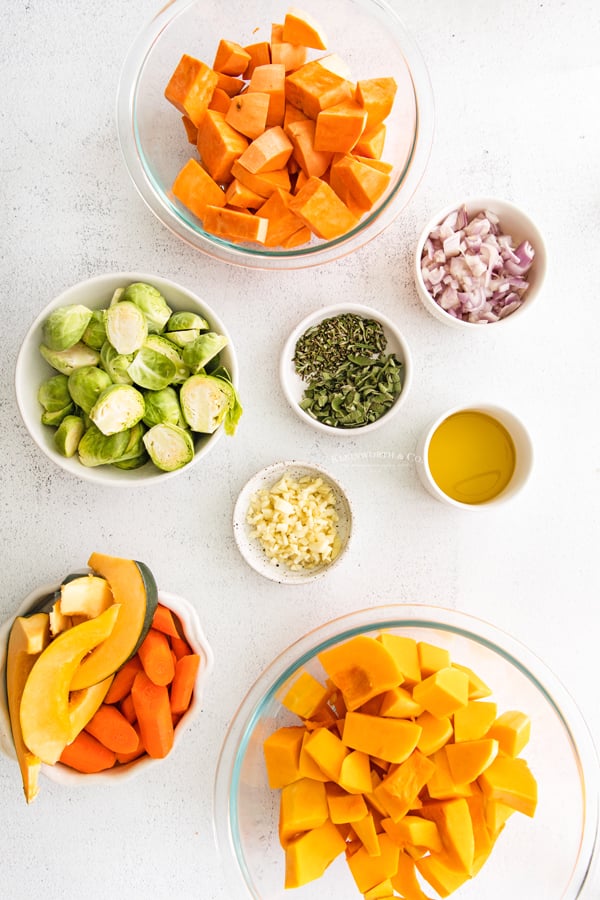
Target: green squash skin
(151,602)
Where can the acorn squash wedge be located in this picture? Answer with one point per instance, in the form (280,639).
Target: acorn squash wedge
(134,589)
(84,704)
(28,637)
(44,709)
(85,595)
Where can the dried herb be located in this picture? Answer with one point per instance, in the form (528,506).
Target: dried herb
(351,381)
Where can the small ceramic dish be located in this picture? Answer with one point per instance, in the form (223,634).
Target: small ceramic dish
(294,386)
(513,221)
(251,548)
(62,774)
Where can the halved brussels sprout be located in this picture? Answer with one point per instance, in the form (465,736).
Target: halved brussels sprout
(64,326)
(97,449)
(116,364)
(151,370)
(118,408)
(169,446)
(53,394)
(56,416)
(66,361)
(86,384)
(68,434)
(185,321)
(116,296)
(135,463)
(200,352)
(208,400)
(162,406)
(181,338)
(95,333)
(160,343)
(151,302)
(135,446)
(126,326)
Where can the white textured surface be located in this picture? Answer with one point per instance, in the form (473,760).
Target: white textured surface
(516,88)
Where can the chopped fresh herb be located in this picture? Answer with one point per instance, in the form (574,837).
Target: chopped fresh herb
(351,381)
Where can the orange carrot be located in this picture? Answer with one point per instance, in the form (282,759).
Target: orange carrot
(121,684)
(86,754)
(153,711)
(155,656)
(127,708)
(180,647)
(135,754)
(111,728)
(163,620)
(184,680)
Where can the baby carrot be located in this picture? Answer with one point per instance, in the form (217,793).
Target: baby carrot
(153,711)
(183,683)
(155,656)
(135,754)
(111,728)
(163,620)
(123,680)
(86,754)
(127,708)
(180,647)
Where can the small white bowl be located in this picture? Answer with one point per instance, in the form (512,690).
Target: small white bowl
(513,221)
(523,455)
(62,774)
(294,387)
(31,370)
(250,547)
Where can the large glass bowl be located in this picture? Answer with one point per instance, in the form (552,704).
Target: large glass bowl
(366,34)
(548,856)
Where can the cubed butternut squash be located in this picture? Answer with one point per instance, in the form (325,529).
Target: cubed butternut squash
(303,805)
(283,224)
(391,739)
(435,732)
(355,773)
(512,730)
(327,751)
(443,692)
(371,142)
(344,807)
(468,759)
(264,183)
(306,694)
(365,830)
(301,133)
(455,826)
(432,658)
(405,652)
(399,703)
(260,55)
(474,720)
(415,831)
(368,871)
(282,755)
(442,877)
(361,667)
(511,782)
(309,855)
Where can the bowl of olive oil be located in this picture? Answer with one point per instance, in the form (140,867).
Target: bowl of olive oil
(475,456)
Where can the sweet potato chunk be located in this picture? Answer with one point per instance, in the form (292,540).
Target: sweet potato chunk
(195,188)
(190,87)
(234,225)
(219,145)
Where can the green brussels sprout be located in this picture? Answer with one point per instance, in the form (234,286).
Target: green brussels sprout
(169,446)
(126,327)
(206,346)
(97,449)
(118,408)
(66,361)
(116,296)
(86,384)
(151,302)
(185,321)
(53,394)
(162,406)
(64,326)
(160,343)
(181,338)
(68,434)
(56,416)
(151,370)
(95,333)
(208,400)
(134,463)
(135,445)
(116,364)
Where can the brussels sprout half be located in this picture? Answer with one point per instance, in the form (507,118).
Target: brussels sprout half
(65,326)
(200,352)
(208,400)
(66,361)
(86,384)
(68,435)
(95,333)
(53,394)
(169,446)
(118,408)
(151,302)
(162,406)
(185,321)
(97,449)
(152,370)
(126,327)
(116,364)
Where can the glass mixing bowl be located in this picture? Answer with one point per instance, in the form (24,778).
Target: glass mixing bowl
(548,856)
(366,34)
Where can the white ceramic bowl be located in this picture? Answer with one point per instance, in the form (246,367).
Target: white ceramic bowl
(32,370)
(523,455)
(250,547)
(293,386)
(369,37)
(62,774)
(513,221)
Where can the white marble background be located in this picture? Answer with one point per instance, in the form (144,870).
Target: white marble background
(516,88)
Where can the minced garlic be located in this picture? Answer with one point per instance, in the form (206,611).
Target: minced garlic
(296,522)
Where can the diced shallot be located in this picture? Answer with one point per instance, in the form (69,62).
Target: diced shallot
(471,268)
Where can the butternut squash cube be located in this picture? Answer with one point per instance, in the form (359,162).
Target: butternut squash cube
(474,720)
(282,755)
(303,806)
(340,126)
(308,856)
(510,781)
(402,785)
(382,891)
(368,871)
(366,832)
(478,689)
(512,730)
(432,658)
(195,188)
(327,751)
(405,881)
(306,694)
(434,734)
(496,815)
(190,87)
(229,84)
(307,767)
(239,196)
(441,785)
(399,704)
(360,667)
(482,837)
(414,831)
(355,773)
(221,101)
(219,145)
(443,692)
(455,826)
(391,739)
(468,759)
(405,652)
(344,807)
(442,877)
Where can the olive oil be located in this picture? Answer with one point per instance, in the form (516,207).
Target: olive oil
(471,457)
